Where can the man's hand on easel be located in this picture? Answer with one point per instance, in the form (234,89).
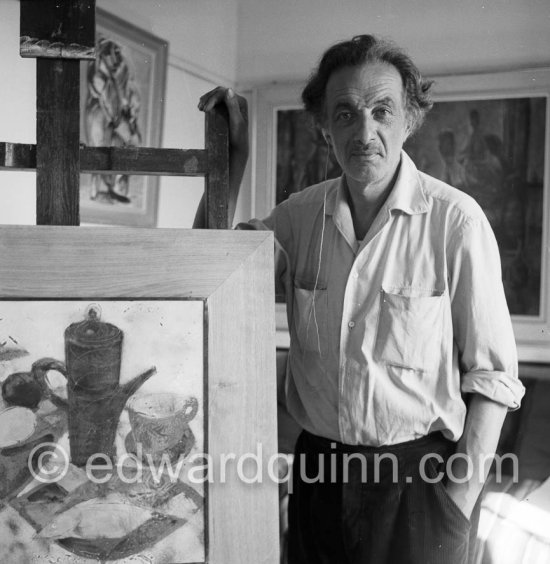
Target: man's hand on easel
(237,108)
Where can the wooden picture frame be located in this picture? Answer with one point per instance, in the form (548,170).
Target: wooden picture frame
(222,281)
(122,104)
(531,324)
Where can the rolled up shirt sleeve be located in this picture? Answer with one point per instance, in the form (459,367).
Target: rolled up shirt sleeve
(482,327)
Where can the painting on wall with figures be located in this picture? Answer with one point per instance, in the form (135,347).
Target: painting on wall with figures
(121,105)
(494,150)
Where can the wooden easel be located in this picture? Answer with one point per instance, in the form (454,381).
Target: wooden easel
(60,33)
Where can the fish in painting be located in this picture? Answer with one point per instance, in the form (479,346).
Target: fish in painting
(97,519)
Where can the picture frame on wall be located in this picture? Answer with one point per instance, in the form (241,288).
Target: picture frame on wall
(303,155)
(122,97)
(136,441)
(494,129)
(494,149)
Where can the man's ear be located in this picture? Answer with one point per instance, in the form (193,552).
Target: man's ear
(409,127)
(327,137)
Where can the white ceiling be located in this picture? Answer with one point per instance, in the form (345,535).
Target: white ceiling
(282,39)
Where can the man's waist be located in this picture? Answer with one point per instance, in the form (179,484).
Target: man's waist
(433,442)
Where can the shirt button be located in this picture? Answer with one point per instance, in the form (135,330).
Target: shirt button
(351,324)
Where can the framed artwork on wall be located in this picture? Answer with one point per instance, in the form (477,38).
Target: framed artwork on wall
(488,135)
(122,104)
(303,156)
(494,150)
(131,404)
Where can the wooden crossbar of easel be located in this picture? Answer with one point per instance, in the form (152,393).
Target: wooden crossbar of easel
(59,35)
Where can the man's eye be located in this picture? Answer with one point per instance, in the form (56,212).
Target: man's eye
(383,111)
(344,116)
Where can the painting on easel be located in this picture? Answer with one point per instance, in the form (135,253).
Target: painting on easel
(122,96)
(102,437)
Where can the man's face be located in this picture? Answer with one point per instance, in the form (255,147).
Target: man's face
(366,122)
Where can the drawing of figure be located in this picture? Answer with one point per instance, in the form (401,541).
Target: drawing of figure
(474,157)
(515,268)
(453,172)
(500,165)
(111,114)
(485,165)
(476,148)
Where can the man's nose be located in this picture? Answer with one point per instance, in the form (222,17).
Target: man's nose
(366,127)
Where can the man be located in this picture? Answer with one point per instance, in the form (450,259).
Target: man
(402,353)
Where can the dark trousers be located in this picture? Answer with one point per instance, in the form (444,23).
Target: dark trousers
(369,505)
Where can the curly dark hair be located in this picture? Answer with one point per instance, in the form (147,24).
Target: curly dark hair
(364,49)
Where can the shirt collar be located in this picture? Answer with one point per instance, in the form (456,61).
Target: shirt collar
(407,194)
(338,206)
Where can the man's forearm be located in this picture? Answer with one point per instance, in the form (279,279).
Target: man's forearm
(238,145)
(478,443)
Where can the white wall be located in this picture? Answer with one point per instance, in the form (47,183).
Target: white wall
(17,117)
(282,40)
(202,33)
(202,37)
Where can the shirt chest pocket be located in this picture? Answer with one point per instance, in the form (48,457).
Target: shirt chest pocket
(310,315)
(410,326)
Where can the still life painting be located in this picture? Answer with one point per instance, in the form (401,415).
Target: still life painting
(122,99)
(102,426)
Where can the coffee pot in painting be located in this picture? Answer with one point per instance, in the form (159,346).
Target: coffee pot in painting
(93,355)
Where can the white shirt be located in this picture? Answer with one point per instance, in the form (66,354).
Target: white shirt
(388,334)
